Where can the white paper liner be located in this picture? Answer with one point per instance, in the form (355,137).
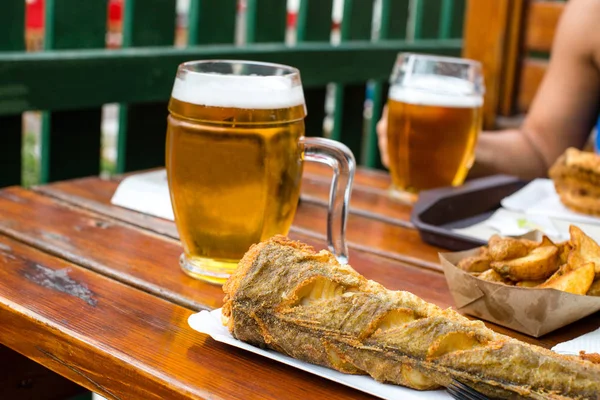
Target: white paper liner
(210,324)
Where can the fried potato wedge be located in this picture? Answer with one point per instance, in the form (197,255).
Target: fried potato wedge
(564,249)
(492,276)
(594,290)
(539,264)
(501,249)
(585,250)
(576,281)
(474,264)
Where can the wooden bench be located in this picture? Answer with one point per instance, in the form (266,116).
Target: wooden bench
(76,74)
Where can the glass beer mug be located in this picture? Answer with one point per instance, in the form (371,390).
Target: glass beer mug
(234,157)
(434,119)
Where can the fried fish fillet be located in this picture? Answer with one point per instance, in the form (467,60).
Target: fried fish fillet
(289,298)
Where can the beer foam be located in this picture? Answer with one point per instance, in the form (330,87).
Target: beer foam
(237,91)
(435,90)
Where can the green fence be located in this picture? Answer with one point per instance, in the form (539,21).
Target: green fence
(75,74)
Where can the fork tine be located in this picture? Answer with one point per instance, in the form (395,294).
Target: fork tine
(455,394)
(459,394)
(473,392)
(467,391)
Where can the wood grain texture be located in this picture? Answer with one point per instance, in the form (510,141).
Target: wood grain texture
(122,252)
(366,234)
(365,178)
(542,20)
(130,344)
(486,24)
(375,204)
(90,240)
(80,285)
(532,73)
(24,379)
(96,330)
(363,233)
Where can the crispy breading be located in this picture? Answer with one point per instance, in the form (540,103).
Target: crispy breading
(289,298)
(592,357)
(576,177)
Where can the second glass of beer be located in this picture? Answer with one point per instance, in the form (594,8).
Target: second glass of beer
(235,151)
(434,119)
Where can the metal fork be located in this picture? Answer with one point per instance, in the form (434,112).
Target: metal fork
(460,391)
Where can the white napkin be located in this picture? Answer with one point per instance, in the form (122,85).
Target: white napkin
(210,324)
(539,197)
(590,343)
(534,207)
(147,193)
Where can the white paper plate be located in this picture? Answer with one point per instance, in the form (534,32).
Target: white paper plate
(210,324)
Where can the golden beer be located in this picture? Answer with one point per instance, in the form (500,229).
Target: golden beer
(430,145)
(234,155)
(433,122)
(234,175)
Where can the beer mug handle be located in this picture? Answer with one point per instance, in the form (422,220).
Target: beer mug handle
(341,160)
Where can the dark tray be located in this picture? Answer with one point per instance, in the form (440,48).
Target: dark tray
(438,211)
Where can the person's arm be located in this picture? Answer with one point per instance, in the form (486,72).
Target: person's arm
(565,106)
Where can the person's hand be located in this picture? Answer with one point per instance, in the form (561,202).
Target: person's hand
(382,137)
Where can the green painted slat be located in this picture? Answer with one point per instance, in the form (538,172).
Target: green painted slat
(446,19)
(458,18)
(70,140)
(349,124)
(73,24)
(314,25)
(265,21)
(145,23)
(314,21)
(212,22)
(149,23)
(427,18)
(357,20)
(394,19)
(12,38)
(12,20)
(146,74)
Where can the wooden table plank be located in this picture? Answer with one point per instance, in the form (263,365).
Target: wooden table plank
(372,203)
(124,343)
(429,285)
(365,178)
(363,233)
(140,259)
(370,194)
(149,261)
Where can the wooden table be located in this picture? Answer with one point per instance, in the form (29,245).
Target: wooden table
(94,293)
